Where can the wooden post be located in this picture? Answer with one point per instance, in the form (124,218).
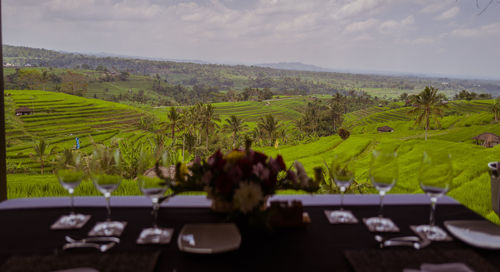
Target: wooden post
(3,166)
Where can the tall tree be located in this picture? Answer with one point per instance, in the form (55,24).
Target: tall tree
(173,117)
(208,119)
(427,105)
(234,125)
(269,126)
(495,109)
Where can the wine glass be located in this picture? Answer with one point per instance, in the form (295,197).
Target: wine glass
(435,174)
(70,174)
(154,188)
(343,176)
(383,175)
(106,179)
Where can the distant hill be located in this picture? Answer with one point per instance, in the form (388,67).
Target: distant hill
(298,66)
(292,78)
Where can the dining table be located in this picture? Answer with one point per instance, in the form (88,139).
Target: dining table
(27,243)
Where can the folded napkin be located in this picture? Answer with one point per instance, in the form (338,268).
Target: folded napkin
(72,261)
(373,260)
(446,267)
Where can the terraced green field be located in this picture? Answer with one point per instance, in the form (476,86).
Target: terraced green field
(471,181)
(60,118)
(284,109)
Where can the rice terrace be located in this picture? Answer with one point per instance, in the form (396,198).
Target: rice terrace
(60,118)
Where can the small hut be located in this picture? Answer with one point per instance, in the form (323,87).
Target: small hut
(385,129)
(487,139)
(23,111)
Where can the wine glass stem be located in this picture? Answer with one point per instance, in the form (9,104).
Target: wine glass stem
(156,207)
(342,190)
(432,220)
(381,211)
(108,206)
(71,201)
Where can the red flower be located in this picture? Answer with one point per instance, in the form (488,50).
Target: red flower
(224,184)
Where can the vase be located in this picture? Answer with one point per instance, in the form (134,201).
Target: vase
(221,206)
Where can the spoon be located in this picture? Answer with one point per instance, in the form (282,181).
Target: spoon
(381,239)
(411,241)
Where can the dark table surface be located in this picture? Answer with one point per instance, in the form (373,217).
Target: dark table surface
(319,246)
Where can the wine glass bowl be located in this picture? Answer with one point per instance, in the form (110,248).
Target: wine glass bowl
(435,175)
(106,184)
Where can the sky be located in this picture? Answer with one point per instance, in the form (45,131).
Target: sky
(433,37)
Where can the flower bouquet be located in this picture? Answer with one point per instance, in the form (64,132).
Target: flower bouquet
(242,180)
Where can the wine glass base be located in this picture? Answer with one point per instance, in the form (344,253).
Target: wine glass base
(71,221)
(340,217)
(380,224)
(432,233)
(108,228)
(155,236)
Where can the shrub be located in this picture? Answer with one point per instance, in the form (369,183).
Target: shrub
(344,133)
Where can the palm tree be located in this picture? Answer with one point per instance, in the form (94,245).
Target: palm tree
(495,109)
(41,147)
(269,126)
(174,118)
(235,126)
(427,104)
(208,123)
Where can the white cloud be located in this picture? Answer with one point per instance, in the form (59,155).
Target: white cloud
(391,26)
(483,31)
(357,7)
(361,26)
(433,6)
(449,14)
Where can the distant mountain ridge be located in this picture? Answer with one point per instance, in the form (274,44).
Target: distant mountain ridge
(297,66)
(280,77)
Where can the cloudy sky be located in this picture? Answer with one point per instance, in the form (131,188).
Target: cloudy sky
(446,37)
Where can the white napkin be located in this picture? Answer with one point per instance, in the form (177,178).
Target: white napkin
(446,267)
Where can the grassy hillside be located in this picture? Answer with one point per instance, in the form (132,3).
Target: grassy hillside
(60,118)
(238,77)
(283,109)
(471,181)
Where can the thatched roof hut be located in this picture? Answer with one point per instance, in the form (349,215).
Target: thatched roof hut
(487,139)
(23,111)
(385,129)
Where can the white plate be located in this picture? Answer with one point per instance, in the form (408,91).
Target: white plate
(478,233)
(209,238)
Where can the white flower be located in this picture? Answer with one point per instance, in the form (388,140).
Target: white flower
(260,171)
(247,197)
(301,173)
